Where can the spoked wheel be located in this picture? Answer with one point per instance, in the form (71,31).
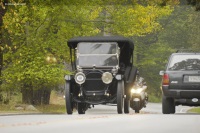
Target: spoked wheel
(68,98)
(120,96)
(126,105)
(81,107)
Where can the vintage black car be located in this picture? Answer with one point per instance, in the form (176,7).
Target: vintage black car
(103,73)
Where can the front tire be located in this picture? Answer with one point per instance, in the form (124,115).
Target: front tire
(137,107)
(68,98)
(168,106)
(120,96)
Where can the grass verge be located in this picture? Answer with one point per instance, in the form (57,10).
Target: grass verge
(51,109)
(57,105)
(194,110)
(154,99)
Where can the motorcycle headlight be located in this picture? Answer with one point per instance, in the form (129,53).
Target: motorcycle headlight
(133,90)
(137,91)
(80,78)
(107,77)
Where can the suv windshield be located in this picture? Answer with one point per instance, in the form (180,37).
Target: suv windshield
(97,54)
(184,62)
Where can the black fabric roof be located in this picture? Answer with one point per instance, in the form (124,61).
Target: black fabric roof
(122,41)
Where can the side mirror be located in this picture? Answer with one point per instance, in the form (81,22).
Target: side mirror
(161,73)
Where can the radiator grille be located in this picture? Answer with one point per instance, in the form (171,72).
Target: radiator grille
(94,82)
(94,75)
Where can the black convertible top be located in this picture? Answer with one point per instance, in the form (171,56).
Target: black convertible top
(122,41)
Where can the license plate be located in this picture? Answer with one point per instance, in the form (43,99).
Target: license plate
(194,78)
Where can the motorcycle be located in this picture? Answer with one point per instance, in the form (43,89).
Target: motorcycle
(139,97)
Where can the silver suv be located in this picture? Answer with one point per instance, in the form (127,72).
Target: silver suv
(181,82)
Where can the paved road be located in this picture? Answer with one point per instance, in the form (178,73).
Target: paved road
(104,119)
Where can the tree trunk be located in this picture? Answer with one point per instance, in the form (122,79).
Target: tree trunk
(2,13)
(41,96)
(1,63)
(27,94)
(35,97)
(198,5)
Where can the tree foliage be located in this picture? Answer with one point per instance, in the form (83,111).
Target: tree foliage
(35,42)
(138,20)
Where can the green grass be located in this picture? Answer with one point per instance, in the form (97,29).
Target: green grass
(5,108)
(154,99)
(51,108)
(57,105)
(194,110)
(10,107)
(56,98)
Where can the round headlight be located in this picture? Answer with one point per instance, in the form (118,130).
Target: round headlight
(80,78)
(107,77)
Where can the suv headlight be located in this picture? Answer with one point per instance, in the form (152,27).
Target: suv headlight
(80,78)
(107,77)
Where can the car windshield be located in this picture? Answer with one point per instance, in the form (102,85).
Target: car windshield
(97,54)
(184,62)
(97,48)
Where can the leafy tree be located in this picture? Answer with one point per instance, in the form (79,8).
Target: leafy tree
(34,62)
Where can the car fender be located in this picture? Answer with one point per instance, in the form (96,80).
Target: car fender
(130,74)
